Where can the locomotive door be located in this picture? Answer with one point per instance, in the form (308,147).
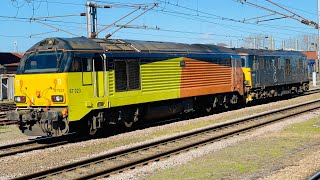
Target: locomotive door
(93,75)
(255,72)
(86,64)
(99,73)
(237,74)
(287,70)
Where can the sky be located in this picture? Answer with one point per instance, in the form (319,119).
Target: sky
(184,21)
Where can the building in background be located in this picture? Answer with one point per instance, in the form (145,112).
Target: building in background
(311,56)
(9,62)
(8,67)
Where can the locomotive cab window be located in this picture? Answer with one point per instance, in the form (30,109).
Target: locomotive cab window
(76,65)
(127,75)
(86,71)
(86,64)
(98,63)
(243,61)
(79,64)
(41,62)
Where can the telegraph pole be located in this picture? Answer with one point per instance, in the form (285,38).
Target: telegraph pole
(317,46)
(316,69)
(92,25)
(92,18)
(88,19)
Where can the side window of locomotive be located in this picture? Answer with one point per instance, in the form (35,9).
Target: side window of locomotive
(86,64)
(267,63)
(33,65)
(262,63)
(75,65)
(255,64)
(98,63)
(243,61)
(127,75)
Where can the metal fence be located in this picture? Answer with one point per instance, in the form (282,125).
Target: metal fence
(6,87)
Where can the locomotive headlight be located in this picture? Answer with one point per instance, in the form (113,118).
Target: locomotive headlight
(246,82)
(20,99)
(57,98)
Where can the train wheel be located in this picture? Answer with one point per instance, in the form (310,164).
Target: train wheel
(208,109)
(131,117)
(128,124)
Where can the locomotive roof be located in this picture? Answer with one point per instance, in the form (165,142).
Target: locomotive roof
(265,52)
(119,45)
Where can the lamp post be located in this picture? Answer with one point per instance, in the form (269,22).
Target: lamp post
(317,48)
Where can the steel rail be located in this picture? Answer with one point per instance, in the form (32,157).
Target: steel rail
(105,165)
(27,146)
(312,91)
(315,176)
(4,122)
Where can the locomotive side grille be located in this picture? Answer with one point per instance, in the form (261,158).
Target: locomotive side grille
(198,73)
(121,75)
(161,76)
(200,77)
(111,83)
(134,74)
(127,75)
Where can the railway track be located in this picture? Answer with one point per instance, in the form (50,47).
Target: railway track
(4,122)
(106,165)
(10,106)
(312,91)
(7,107)
(27,146)
(4,107)
(23,147)
(316,176)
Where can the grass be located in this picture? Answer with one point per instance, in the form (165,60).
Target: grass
(246,157)
(167,131)
(3,127)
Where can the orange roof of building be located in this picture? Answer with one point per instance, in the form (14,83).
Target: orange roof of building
(310,54)
(12,64)
(18,54)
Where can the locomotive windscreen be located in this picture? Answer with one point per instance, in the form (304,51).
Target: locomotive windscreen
(42,62)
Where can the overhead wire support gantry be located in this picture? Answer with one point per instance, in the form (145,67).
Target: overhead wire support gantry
(291,16)
(92,25)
